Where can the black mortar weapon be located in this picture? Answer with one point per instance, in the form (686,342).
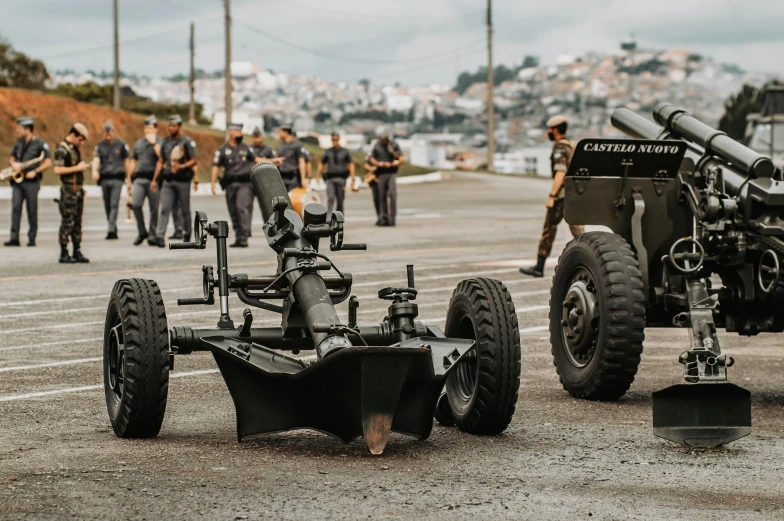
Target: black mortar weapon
(365,380)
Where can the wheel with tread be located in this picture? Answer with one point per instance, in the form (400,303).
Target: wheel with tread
(482,388)
(597,316)
(136,358)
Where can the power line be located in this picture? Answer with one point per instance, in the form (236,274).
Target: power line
(425,66)
(331,56)
(124,42)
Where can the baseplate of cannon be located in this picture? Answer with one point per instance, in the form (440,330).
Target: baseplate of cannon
(365,381)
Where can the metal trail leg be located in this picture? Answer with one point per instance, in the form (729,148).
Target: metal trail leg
(708,411)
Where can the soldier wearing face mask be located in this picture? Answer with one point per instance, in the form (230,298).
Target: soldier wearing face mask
(563,149)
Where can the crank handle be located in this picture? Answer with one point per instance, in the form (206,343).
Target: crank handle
(361,247)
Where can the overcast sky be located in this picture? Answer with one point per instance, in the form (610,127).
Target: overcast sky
(410,41)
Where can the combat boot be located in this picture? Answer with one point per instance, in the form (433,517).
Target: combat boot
(64,257)
(535,271)
(77,254)
(12,242)
(140,239)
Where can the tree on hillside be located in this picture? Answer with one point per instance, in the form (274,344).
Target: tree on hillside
(737,108)
(19,70)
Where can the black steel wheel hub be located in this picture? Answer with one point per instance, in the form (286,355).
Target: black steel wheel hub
(580,318)
(116,351)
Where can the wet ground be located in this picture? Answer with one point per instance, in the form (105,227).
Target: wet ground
(560,458)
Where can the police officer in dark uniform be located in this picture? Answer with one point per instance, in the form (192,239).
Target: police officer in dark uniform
(68,165)
(175,167)
(27,148)
(110,168)
(146,153)
(236,158)
(559,163)
(340,167)
(291,159)
(260,150)
(386,156)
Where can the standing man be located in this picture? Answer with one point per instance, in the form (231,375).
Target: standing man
(236,158)
(260,150)
(387,157)
(110,168)
(68,165)
(291,159)
(559,164)
(175,168)
(340,166)
(27,148)
(146,153)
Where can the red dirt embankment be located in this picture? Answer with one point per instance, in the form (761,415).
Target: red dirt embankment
(55,115)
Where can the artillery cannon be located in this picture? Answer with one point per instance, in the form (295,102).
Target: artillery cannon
(689,207)
(366,380)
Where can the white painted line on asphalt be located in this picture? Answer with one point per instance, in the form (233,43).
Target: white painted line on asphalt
(50,312)
(189,288)
(534,329)
(49,364)
(196,313)
(39,394)
(49,344)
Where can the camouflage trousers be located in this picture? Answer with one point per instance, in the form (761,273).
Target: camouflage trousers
(71,209)
(551,221)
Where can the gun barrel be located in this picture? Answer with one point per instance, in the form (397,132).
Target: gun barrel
(680,123)
(734,173)
(267,184)
(310,290)
(634,125)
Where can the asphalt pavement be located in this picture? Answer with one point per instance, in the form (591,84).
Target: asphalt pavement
(560,458)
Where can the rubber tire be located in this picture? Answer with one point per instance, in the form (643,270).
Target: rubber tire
(482,310)
(621,303)
(139,305)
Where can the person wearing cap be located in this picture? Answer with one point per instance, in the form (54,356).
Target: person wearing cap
(559,164)
(260,150)
(27,148)
(291,159)
(236,158)
(339,168)
(110,168)
(175,167)
(386,157)
(146,153)
(70,168)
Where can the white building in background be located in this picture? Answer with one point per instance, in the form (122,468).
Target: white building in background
(349,141)
(529,161)
(249,120)
(244,69)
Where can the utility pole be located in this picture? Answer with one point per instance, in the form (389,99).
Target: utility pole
(116,58)
(192,80)
(490,97)
(227,73)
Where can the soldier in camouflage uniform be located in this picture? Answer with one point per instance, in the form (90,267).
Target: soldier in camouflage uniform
(559,161)
(68,165)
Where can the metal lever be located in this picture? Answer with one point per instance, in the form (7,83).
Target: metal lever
(361,247)
(353,305)
(410,275)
